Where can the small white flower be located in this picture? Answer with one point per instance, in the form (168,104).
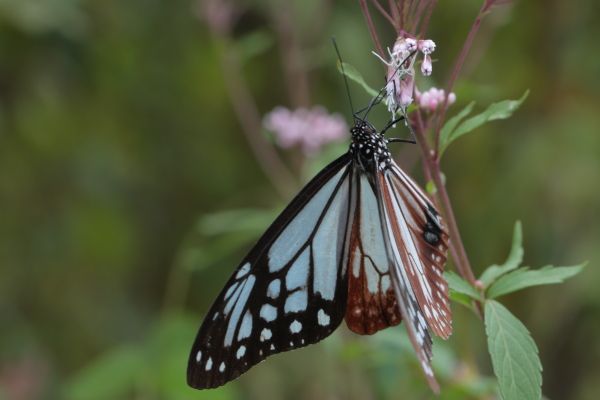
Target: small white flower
(426,46)
(410,44)
(426,67)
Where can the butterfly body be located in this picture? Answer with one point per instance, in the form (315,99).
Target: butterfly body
(360,242)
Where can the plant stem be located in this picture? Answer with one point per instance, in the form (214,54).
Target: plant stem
(365,10)
(391,19)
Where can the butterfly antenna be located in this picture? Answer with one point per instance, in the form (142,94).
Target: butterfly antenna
(335,46)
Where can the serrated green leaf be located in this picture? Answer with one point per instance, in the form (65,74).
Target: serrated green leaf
(500,110)
(524,277)
(353,74)
(451,124)
(460,298)
(514,354)
(458,284)
(513,261)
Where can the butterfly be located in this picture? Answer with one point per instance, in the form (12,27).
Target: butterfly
(361,242)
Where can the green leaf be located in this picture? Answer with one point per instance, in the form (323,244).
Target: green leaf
(513,261)
(514,354)
(451,124)
(459,285)
(524,277)
(353,74)
(499,110)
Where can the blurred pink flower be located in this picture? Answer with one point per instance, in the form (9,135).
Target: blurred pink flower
(430,99)
(310,129)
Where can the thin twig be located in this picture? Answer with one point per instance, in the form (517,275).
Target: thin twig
(422,6)
(425,22)
(365,10)
(400,5)
(387,16)
(395,12)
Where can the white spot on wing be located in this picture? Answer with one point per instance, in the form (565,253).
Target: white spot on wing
(322,318)
(268,312)
(265,334)
(198,356)
(274,289)
(295,326)
(222,367)
(208,364)
(240,352)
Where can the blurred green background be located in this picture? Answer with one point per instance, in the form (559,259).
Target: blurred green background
(120,156)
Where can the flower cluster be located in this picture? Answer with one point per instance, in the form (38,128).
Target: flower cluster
(400,85)
(430,99)
(310,129)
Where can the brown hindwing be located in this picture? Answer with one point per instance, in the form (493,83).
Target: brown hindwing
(371,303)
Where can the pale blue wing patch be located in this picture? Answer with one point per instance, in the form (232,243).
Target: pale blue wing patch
(290,290)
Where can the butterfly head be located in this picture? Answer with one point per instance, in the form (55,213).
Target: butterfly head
(369,146)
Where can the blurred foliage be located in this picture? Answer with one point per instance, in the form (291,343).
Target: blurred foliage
(117,136)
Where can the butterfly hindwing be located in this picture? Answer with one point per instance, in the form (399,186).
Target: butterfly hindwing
(291,289)
(372,302)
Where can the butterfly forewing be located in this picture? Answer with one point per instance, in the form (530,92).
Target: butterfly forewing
(410,222)
(291,289)
(425,242)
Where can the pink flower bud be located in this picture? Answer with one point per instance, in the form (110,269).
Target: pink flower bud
(407,87)
(426,66)
(426,46)
(451,98)
(431,99)
(411,45)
